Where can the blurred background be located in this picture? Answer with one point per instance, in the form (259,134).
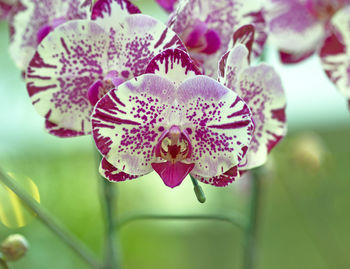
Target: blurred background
(304,202)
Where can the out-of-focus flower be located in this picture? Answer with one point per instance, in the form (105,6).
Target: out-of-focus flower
(173,121)
(168,5)
(81,60)
(14,247)
(309,151)
(31,20)
(207,27)
(301,27)
(260,87)
(5,8)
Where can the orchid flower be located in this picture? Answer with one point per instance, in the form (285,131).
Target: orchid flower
(5,8)
(174,121)
(206,28)
(79,61)
(298,27)
(261,89)
(319,26)
(31,20)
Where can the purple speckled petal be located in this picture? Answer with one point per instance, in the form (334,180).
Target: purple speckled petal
(224,17)
(66,63)
(231,64)
(335,51)
(128,122)
(56,130)
(135,41)
(245,36)
(173,64)
(218,124)
(29,16)
(113,174)
(112,12)
(221,180)
(260,87)
(292,27)
(292,58)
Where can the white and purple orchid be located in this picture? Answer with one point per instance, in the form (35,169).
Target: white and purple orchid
(31,20)
(79,61)
(173,121)
(5,8)
(167,5)
(207,27)
(301,27)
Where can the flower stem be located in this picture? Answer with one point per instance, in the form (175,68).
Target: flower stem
(3,263)
(51,223)
(249,257)
(236,219)
(108,198)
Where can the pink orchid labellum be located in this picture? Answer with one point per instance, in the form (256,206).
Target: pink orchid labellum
(81,60)
(31,20)
(261,89)
(206,28)
(173,121)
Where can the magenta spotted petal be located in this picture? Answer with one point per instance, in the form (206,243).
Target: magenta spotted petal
(335,52)
(221,180)
(173,64)
(66,63)
(293,28)
(221,19)
(30,16)
(168,5)
(5,8)
(134,127)
(113,174)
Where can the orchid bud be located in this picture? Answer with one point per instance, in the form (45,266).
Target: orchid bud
(14,247)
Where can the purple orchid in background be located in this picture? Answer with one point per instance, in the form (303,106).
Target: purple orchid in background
(173,121)
(167,5)
(5,8)
(301,27)
(206,28)
(31,20)
(79,61)
(260,87)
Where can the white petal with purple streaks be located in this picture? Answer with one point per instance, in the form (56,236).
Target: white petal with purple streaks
(260,87)
(66,63)
(127,122)
(135,41)
(30,15)
(335,53)
(218,124)
(113,174)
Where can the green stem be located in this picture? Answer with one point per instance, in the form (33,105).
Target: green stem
(3,263)
(198,190)
(108,198)
(249,257)
(235,220)
(51,223)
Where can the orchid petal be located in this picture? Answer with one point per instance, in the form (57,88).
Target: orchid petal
(260,87)
(173,64)
(56,130)
(172,174)
(245,35)
(231,64)
(66,63)
(293,29)
(335,52)
(112,12)
(218,124)
(128,122)
(113,174)
(5,8)
(31,15)
(295,57)
(221,180)
(135,41)
(222,16)
(168,5)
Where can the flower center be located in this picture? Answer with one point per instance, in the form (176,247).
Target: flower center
(100,87)
(47,28)
(324,9)
(200,38)
(174,146)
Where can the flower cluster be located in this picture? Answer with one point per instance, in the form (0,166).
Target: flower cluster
(141,87)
